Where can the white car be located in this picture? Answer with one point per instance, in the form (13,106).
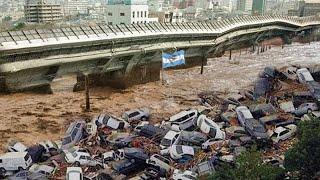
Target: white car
(186,175)
(16,146)
(306,108)
(179,151)
(243,113)
(92,128)
(213,142)
(304,76)
(160,161)
(74,173)
(111,122)
(81,158)
(209,127)
(136,114)
(113,155)
(171,138)
(183,120)
(43,169)
(283,133)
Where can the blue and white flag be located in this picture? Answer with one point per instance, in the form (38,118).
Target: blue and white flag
(171,60)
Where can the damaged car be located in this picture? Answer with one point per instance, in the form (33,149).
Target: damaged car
(136,114)
(183,120)
(74,134)
(283,133)
(209,127)
(111,122)
(171,138)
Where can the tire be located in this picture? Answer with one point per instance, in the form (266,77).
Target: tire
(143,118)
(309,111)
(77,163)
(20,169)
(3,170)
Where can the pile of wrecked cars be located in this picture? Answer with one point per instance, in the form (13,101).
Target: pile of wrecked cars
(185,146)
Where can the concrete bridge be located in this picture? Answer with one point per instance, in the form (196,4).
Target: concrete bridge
(124,55)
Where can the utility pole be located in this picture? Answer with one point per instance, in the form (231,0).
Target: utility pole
(86,81)
(230,55)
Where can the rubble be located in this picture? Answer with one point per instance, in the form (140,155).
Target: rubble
(187,144)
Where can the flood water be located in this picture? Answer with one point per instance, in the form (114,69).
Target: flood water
(31,118)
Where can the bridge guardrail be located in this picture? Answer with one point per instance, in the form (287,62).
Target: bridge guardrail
(42,37)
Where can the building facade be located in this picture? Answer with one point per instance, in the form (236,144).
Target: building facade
(245,6)
(127,12)
(40,11)
(258,7)
(75,7)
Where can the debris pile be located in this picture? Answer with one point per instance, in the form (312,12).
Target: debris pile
(184,146)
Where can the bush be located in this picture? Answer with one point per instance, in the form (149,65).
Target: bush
(248,166)
(304,157)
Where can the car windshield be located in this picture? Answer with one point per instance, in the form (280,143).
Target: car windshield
(166,142)
(74,154)
(26,158)
(179,149)
(66,140)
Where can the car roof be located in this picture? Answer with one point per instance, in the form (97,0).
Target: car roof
(82,153)
(185,149)
(279,129)
(74,169)
(181,114)
(132,111)
(306,74)
(170,134)
(246,112)
(14,155)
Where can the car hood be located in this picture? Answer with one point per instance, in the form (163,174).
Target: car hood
(69,158)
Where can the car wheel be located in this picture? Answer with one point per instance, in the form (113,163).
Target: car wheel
(3,170)
(309,111)
(20,169)
(77,163)
(98,166)
(144,118)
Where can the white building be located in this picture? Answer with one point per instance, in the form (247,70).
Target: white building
(74,7)
(127,12)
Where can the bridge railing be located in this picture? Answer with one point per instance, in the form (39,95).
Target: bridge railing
(42,37)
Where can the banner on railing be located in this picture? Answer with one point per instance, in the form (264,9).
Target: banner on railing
(171,60)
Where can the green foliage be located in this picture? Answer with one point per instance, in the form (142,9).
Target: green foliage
(248,166)
(304,157)
(19,26)
(7,18)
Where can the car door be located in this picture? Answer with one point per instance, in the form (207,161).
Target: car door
(83,160)
(90,161)
(284,135)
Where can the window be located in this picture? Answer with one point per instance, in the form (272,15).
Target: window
(134,114)
(109,13)
(121,14)
(137,14)
(133,14)
(0,160)
(109,23)
(145,14)
(82,157)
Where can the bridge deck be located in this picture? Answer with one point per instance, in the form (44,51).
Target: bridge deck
(25,39)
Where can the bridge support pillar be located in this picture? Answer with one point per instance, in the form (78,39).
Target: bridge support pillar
(139,74)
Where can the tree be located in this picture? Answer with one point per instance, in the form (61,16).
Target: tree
(304,156)
(7,18)
(248,166)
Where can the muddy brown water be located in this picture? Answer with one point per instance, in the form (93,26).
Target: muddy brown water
(31,118)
